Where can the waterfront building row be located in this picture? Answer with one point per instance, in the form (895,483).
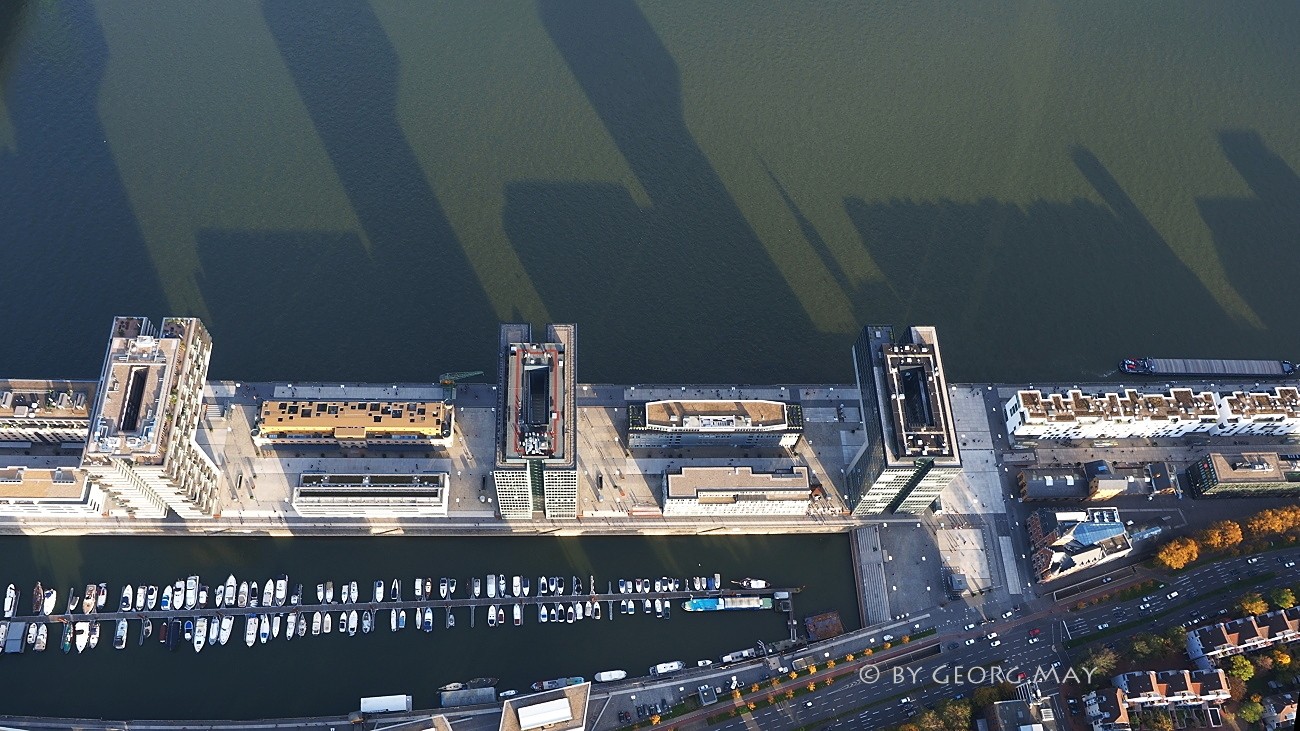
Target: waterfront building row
(1073,415)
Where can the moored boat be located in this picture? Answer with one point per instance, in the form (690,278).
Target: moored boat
(83,636)
(352,623)
(101,595)
(66,643)
(42,638)
(268,593)
(476,586)
(50,599)
(140,592)
(87,602)
(451,586)
(395,591)
(753,583)
(165,604)
(200,633)
(442,587)
(315,623)
(38,598)
(276,621)
(451,619)
(367,619)
(191,592)
(329,592)
(527,586)
(281,590)
(227,624)
(146,630)
(250,629)
(401,619)
(541,613)
(151,597)
(557,683)
(31,633)
(666,668)
(491,586)
(352,591)
(392,620)
(419,588)
(451,687)
(263,629)
(609,676)
(516,586)
(119,637)
(379,590)
(320,593)
(241,599)
(518,614)
(232,590)
(203,596)
(292,626)
(492,616)
(11,600)
(328,625)
(94,635)
(214,630)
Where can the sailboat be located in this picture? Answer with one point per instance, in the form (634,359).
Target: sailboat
(263,629)
(519,614)
(328,625)
(292,628)
(352,623)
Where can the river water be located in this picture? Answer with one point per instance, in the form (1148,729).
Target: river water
(715,192)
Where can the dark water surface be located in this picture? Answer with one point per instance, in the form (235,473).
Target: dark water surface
(328,674)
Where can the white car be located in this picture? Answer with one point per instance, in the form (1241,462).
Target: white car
(970,642)
(970,626)
(991,636)
(1007,614)
(887,638)
(995,643)
(1252,560)
(1103,625)
(1144,607)
(1172,595)
(1032,640)
(906,700)
(1289,564)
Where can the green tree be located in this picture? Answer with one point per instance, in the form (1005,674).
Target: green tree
(1239,667)
(1251,712)
(928,720)
(1178,553)
(1253,603)
(1103,660)
(1282,598)
(1157,721)
(1177,636)
(956,715)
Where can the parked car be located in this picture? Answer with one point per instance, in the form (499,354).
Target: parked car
(1034,632)
(1103,625)
(1007,614)
(995,643)
(970,626)
(970,642)
(1172,595)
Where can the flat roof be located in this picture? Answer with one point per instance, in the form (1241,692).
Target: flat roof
(1250,467)
(716,415)
(1282,403)
(34,483)
(1074,405)
(693,482)
(516,711)
(537,418)
(133,417)
(354,419)
(43,399)
(915,408)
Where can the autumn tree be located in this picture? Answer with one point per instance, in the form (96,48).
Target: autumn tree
(1282,598)
(1251,711)
(1273,520)
(1102,660)
(1223,534)
(1253,603)
(1281,658)
(1240,667)
(1178,553)
(928,720)
(1236,688)
(956,715)
(753,688)
(789,694)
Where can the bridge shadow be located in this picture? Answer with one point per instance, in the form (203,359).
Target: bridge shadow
(1260,236)
(74,250)
(415,284)
(997,277)
(688,259)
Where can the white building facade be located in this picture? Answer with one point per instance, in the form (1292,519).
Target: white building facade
(735,491)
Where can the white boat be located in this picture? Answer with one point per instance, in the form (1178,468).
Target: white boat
(343,622)
(119,637)
(541,586)
(553,583)
(87,603)
(501,585)
(50,599)
(419,618)
(328,625)
(315,623)
(214,630)
(146,630)
(329,592)
(42,637)
(124,605)
(516,588)
(595,610)
(140,592)
(191,592)
(442,587)
(527,586)
(352,590)
(31,633)
(200,633)
(477,587)
(241,599)
(352,622)
(451,619)
(281,590)
(401,619)
(379,590)
(428,620)
(501,615)
(345,593)
(666,668)
(101,596)
(703,663)
(659,607)
(451,586)
(556,615)
(166,603)
(232,588)
(367,621)
(263,629)
(395,591)
(250,629)
(302,625)
(508,694)
(268,593)
(577,610)
(292,628)
(320,593)
(151,597)
(275,626)
(647,606)
(492,586)
(519,614)
(83,635)
(753,583)
(392,620)
(541,613)
(492,615)
(419,588)
(220,600)
(203,596)
(227,624)
(609,676)
(11,600)
(570,615)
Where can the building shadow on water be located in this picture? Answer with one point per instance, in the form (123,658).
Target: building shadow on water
(688,261)
(1041,276)
(1260,236)
(74,250)
(413,288)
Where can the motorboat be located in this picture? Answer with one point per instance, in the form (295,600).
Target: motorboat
(241,599)
(49,599)
(200,634)
(315,623)
(491,586)
(38,598)
(87,602)
(220,600)
(124,604)
(428,620)
(83,636)
(379,590)
(268,592)
(392,620)
(519,614)
(492,616)
(419,588)
(590,608)
(352,623)
(343,621)
(11,600)
(570,615)
(577,610)
(428,588)
(72,600)
(501,585)
(395,591)
(659,585)
(401,619)
(646,586)
(622,584)
(557,613)
(292,628)
(140,592)
(637,585)
(647,605)
(659,607)
(595,610)
(146,630)
(610,676)
(345,593)
(253,594)
(559,585)
(66,643)
(668,609)
(527,586)
(151,597)
(451,687)
(296,597)
(191,592)
(302,625)
(703,663)
(203,596)
(577,586)
(552,584)
(214,630)
(101,596)
(227,624)
(367,619)
(165,604)
(753,583)
(231,589)
(276,621)
(42,638)
(541,613)
(476,587)
(281,589)
(352,590)
(263,628)
(451,586)
(31,633)
(320,593)
(442,587)
(250,629)
(557,683)
(329,592)
(94,635)
(187,630)
(541,586)
(119,637)
(327,625)
(516,586)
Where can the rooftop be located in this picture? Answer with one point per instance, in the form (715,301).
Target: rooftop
(1252,467)
(354,419)
(1074,405)
(913,396)
(34,399)
(562,709)
(1283,402)
(537,401)
(716,415)
(27,483)
(693,482)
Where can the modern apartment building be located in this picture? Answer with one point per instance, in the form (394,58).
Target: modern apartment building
(50,414)
(713,423)
(350,424)
(1207,645)
(735,491)
(42,492)
(371,495)
(1248,474)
